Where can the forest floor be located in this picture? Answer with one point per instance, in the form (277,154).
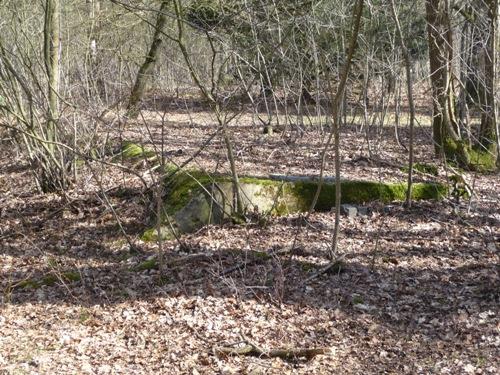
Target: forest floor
(418,290)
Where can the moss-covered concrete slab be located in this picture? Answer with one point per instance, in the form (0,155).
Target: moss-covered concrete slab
(195,199)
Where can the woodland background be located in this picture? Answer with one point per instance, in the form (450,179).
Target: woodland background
(100,99)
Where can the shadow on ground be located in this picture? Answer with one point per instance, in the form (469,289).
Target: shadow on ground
(388,287)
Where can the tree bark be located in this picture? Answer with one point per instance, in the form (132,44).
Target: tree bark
(52,176)
(488,129)
(409,87)
(51,55)
(147,67)
(446,134)
(356,22)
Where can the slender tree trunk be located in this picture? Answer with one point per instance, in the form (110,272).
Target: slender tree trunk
(52,44)
(489,124)
(212,100)
(52,176)
(337,101)
(147,67)
(96,83)
(466,64)
(409,87)
(495,51)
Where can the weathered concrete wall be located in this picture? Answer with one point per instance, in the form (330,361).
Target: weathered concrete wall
(195,199)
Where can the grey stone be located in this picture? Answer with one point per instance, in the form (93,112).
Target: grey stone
(363,211)
(348,210)
(387,209)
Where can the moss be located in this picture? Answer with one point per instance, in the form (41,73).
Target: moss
(84,316)
(422,191)
(474,158)
(424,168)
(28,284)
(460,188)
(72,276)
(182,186)
(260,181)
(482,160)
(48,280)
(149,235)
(51,279)
(131,150)
(360,192)
(307,267)
(150,264)
(366,191)
(357,299)
(457,152)
(271,190)
(304,192)
(163,280)
(152,234)
(281,209)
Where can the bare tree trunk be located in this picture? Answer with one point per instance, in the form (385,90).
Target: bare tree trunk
(337,101)
(488,130)
(149,63)
(409,87)
(95,82)
(52,175)
(495,50)
(51,54)
(447,139)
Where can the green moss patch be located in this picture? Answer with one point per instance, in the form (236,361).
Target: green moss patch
(152,234)
(131,150)
(482,160)
(356,299)
(150,264)
(361,192)
(423,168)
(474,158)
(181,186)
(48,280)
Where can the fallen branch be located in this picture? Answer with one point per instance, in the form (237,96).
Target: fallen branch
(250,349)
(252,261)
(153,262)
(335,266)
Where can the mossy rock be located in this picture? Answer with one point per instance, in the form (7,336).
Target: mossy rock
(195,199)
(131,150)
